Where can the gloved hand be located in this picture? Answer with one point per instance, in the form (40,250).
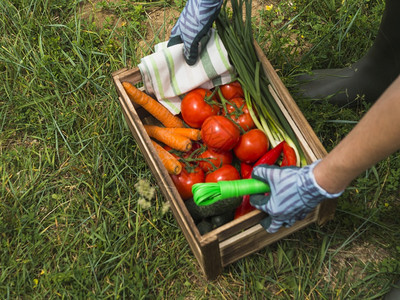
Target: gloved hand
(193,25)
(294,194)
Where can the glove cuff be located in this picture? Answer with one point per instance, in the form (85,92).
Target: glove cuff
(320,189)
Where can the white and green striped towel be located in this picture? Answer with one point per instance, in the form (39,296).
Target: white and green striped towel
(167,76)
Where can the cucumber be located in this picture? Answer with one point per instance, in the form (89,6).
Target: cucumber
(217,208)
(222,219)
(204,226)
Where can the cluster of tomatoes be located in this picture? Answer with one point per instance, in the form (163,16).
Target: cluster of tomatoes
(229,137)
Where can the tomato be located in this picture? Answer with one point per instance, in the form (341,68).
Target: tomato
(239,112)
(226,172)
(232,90)
(220,133)
(195,109)
(214,159)
(251,146)
(185,180)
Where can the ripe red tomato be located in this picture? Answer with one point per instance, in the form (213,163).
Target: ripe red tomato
(251,146)
(220,133)
(213,159)
(195,109)
(226,172)
(239,112)
(232,90)
(185,180)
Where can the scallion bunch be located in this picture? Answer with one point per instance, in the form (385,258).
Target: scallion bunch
(235,30)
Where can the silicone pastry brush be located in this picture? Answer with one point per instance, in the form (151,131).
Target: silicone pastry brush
(211,192)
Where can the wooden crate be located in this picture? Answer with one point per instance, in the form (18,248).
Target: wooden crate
(241,237)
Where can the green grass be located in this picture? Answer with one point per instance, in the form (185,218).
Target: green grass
(71,225)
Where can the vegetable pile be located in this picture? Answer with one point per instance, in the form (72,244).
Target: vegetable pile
(222,134)
(215,138)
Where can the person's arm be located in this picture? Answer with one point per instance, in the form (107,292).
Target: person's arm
(295,192)
(375,137)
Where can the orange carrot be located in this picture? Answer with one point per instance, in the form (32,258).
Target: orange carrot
(155,108)
(175,141)
(191,133)
(172,164)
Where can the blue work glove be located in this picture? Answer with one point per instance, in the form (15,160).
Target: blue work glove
(294,194)
(193,26)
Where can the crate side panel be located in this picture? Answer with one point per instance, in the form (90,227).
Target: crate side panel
(290,105)
(309,141)
(238,225)
(211,257)
(255,239)
(166,185)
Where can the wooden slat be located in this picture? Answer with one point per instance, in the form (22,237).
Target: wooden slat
(132,76)
(234,227)
(256,238)
(211,262)
(118,72)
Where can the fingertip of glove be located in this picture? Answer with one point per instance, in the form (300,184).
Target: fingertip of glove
(274,226)
(190,60)
(270,225)
(261,172)
(174,40)
(258,200)
(266,223)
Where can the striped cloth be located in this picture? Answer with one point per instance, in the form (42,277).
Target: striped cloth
(167,76)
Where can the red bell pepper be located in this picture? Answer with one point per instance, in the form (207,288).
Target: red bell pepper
(289,156)
(271,156)
(245,170)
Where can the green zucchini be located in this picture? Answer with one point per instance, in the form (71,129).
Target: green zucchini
(222,219)
(204,226)
(199,212)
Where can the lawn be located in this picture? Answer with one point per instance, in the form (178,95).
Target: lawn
(72,220)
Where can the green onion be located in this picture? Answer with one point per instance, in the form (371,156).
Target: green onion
(237,35)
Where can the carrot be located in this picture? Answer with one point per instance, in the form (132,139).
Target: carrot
(172,164)
(191,133)
(175,141)
(155,108)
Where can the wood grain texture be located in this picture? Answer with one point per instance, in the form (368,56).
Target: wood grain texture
(236,226)
(255,238)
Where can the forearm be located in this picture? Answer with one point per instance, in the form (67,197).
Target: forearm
(375,137)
